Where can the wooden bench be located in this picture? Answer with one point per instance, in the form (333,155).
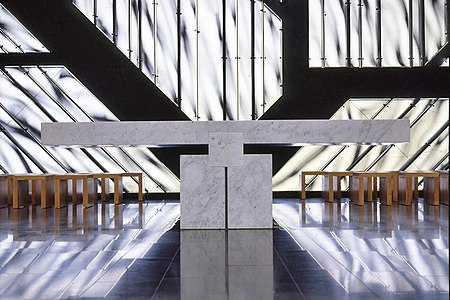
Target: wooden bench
(409,186)
(41,185)
(61,190)
(118,185)
(140,183)
(331,184)
(4,190)
(302,177)
(363,187)
(443,187)
(88,189)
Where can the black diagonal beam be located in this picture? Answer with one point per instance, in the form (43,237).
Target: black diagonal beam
(438,59)
(28,59)
(92,58)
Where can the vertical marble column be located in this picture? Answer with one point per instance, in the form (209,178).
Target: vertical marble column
(202,197)
(250,193)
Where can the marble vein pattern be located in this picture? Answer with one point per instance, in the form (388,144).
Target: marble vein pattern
(202,196)
(225,149)
(160,133)
(203,182)
(250,193)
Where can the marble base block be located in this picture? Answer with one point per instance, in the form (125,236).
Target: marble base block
(202,197)
(250,193)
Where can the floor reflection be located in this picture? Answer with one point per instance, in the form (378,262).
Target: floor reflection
(316,250)
(384,251)
(219,264)
(75,252)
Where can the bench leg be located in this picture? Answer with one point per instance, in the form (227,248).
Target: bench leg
(105,189)
(303,186)
(386,190)
(118,190)
(140,188)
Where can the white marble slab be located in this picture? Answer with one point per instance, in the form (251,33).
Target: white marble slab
(250,193)
(154,133)
(226,149)
(202,197)
(249,180)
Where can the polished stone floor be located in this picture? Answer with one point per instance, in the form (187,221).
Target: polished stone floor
(316,250)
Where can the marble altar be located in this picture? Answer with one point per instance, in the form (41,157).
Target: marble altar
(226,188)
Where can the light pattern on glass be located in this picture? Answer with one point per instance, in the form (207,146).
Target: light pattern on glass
(398,32)
(23,40)
(30,96)
(199,84)
(432,112)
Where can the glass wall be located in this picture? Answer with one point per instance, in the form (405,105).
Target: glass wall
(34,94)
(198,52)
(376,33)
(427,149)
(31,95)
(22,41)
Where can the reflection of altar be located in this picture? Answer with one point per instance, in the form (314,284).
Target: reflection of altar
(226,188)
(219,264)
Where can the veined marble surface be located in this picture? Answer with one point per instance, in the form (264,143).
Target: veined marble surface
(250,193)
(203,182)
(202,196)
(156,133)
(226,149)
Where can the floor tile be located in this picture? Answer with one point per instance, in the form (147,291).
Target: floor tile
(315,251)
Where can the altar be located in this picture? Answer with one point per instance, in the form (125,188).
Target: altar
(225,189)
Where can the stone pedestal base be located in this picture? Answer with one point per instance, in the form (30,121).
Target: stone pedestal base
(216,197)
(250,193)
(202,196)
